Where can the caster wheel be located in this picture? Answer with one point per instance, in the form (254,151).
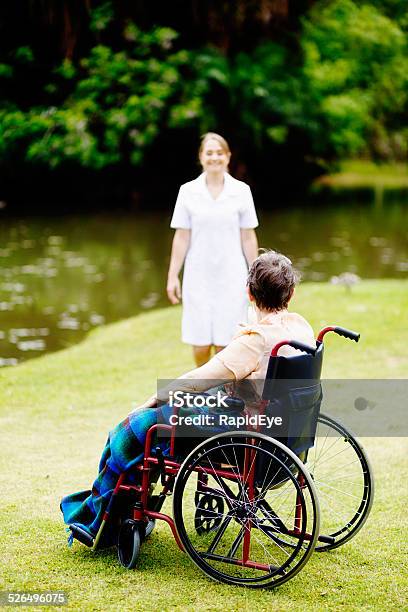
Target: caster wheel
(128,544)
(209,513)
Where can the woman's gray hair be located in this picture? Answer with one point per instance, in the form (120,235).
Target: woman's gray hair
(271,280)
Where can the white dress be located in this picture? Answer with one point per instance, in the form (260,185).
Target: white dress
(215,269)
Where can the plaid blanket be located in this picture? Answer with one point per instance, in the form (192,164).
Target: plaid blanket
(123,450)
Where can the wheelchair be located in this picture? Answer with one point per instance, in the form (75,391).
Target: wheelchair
(250,507)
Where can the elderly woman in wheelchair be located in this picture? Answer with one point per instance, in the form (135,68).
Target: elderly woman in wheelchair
(245,500)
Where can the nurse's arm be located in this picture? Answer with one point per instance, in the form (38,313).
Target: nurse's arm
(181,242)
(249,244)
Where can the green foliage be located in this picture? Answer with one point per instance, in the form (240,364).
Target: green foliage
(347,94)
(101,17)
(356,66)
(66,70)
(6,71)
(266,91)
(342,90)
(24,55)
(119,102)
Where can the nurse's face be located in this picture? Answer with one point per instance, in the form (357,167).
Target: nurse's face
(213,158)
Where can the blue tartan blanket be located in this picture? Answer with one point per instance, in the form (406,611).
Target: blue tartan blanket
(123,450)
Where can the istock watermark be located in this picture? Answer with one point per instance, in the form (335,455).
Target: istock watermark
(178,399)
(246,421)
(367,407)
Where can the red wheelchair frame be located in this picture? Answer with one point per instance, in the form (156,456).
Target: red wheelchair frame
(301,539)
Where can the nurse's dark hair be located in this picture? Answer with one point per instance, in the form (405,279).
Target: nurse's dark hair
(213,136)
(271,280)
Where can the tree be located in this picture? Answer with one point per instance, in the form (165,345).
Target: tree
(293,85)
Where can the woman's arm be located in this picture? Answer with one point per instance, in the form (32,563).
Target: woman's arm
(234,362)
(249,244)
(211,374)
(181,242)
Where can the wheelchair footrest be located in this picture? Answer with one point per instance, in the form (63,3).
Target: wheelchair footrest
(81,535)
(326,539)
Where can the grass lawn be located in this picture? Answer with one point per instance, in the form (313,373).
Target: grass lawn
(55,414)
(359,174)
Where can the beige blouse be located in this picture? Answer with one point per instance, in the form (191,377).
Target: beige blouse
(246,356)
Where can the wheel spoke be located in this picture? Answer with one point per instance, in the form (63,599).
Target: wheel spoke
(324,484)
(251,542)
(221,530)
(341,473)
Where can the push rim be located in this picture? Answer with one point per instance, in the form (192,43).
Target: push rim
(344,482)
(262,519)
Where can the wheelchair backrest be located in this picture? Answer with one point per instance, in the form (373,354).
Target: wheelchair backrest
(292,390)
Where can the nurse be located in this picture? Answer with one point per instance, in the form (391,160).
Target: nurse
(214,219)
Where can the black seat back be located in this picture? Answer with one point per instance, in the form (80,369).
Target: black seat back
(293,392)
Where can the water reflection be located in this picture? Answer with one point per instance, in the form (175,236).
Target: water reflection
(59,278)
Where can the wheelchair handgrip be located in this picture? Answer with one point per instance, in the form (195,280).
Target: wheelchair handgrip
(347,333)
(303,347)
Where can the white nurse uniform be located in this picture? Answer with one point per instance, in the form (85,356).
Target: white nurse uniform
(215,269)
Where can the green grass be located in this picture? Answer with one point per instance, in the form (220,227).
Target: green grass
(360,174)
(55,414)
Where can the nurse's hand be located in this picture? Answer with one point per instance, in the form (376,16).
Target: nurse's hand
(174,290)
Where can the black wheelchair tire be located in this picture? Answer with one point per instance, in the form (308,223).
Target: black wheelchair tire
(129,542)
(277,576)
(355,523)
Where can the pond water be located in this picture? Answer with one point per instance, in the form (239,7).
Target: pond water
(61,277)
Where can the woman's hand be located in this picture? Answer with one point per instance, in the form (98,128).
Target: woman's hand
(152,401)
(174,290)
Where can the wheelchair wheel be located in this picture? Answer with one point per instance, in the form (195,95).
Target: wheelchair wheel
(344,481)
(267,526)
(129,544)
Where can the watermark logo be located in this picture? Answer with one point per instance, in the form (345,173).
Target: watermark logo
(178,399)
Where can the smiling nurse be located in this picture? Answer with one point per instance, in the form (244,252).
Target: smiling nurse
(214,219)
